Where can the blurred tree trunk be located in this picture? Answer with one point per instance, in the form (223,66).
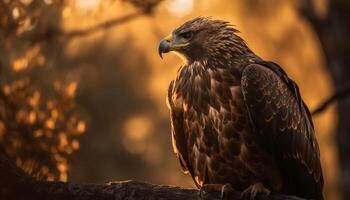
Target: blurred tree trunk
(333,31)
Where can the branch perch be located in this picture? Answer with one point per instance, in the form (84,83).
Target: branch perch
(16,185)
(120,190)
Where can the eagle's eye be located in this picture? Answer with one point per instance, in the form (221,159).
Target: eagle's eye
(187,35)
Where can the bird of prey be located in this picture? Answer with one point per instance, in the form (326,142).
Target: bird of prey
(237,120)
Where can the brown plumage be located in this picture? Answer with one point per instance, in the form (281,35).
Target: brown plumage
(237,119)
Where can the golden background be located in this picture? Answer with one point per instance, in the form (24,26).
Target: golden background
(120,83)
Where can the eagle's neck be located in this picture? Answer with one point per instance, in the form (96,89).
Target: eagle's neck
(228,61)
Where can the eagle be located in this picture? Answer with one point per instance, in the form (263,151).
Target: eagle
(238,122)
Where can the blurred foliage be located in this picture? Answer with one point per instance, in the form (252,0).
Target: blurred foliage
(26,21)
(40,131)
(70,64)
(39,120)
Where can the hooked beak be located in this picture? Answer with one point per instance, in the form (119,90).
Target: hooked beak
(165,45)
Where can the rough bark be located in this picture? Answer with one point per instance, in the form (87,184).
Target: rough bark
(131,190)
(16,185)
(333,32)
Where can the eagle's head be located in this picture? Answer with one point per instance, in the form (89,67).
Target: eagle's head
(204,38)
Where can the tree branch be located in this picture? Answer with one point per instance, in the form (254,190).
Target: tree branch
(104,25)
(143,7)
(330,100)
(16,185)
(120,190)
(52,33)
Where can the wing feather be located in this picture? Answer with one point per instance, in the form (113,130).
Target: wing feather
(179,140)
(285,127)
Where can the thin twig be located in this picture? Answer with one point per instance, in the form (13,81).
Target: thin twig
(53,33)
(104,25)
(330,100)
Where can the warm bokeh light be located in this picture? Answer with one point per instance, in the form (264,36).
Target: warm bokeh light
(114,78)
(137,130)
(87,4)
(276,39)
(180,7)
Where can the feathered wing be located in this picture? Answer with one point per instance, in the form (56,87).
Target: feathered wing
(179,140)
(285,128)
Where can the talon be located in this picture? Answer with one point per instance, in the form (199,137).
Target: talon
(253,190)
(201,192)
(223,189)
